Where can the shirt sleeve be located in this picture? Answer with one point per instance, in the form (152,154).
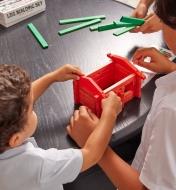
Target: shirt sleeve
(60,166)
(158,172)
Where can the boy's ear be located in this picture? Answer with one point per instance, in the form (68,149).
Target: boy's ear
(16,140)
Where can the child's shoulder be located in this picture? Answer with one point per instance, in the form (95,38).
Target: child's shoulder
(169,102)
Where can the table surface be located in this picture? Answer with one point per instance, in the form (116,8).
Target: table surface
(82,48)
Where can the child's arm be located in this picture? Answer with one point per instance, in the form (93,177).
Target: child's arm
(119,172)
(122,175)
(158,63)
(99,138)
(64,73)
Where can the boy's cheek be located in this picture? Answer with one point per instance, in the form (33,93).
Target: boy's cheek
(35,119)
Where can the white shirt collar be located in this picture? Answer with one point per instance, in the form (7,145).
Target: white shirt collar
(29,143)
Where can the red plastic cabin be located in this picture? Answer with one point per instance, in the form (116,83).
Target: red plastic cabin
(119,76)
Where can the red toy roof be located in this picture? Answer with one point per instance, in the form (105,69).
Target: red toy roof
(126,64)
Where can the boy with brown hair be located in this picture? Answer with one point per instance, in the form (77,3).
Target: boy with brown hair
(23,165)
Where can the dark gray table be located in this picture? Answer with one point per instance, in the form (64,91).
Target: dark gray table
(83,48)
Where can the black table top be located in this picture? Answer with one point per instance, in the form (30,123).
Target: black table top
(82,48)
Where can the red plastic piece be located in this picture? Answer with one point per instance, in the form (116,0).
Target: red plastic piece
(119,76)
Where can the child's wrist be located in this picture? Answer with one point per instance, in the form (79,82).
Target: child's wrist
(52,77)
(110,113)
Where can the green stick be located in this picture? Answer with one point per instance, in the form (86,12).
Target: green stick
(132,20)
(123,30)
(82,19)
(37,35)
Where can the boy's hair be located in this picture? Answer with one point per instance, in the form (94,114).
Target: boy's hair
(14,90)
(166,11)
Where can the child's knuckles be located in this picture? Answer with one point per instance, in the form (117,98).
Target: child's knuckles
(76,119)
(119,99)
(81,108)
(68,67)
(83,116)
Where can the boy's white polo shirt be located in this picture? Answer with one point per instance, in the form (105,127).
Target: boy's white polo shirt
(156,156)
(31,168)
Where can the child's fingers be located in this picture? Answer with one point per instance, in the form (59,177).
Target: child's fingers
(135,30)
(143,63)
(146,65)
(77,70)
(140,54)
(140,14)
(149,30)
(76,115)
(92,115)
(73,76)
(137,60)
(71,121)
(148,16)
(137,55)
(145,28)
(111,94)
(83,111)
(143,53)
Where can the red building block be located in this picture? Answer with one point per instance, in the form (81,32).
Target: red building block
(119,76)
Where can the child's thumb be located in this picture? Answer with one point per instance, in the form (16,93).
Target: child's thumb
(74,77)
(68,130)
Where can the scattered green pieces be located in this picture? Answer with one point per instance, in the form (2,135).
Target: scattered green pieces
(82,19)
(37,35)
(126,24)
(132,20)
(123,30)
(77,27)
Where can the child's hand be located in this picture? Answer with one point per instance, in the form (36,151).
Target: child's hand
(112,104)
(82,123)
(140,11)
(158,63)
(67,72)
(152,24)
